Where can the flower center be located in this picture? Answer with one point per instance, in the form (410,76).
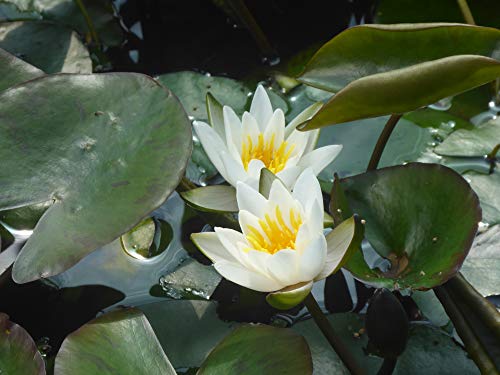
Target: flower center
(274,234)
(274,158)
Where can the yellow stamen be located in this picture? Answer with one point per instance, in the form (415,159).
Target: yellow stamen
(274,158)
(274,234)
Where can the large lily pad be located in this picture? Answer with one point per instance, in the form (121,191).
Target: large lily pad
(481,267)
(371,49)
(105,161)
(121,342)
(406,89)
(487,188)
(242,352)
(18,352)
(422,218)
(52,48)
(14,70)
(67,13)
(475,142)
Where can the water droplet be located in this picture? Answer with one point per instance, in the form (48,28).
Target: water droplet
(363,221)
(339,210)
(43,346)
(434,239)
(271,60)
(443,104)
(422,273)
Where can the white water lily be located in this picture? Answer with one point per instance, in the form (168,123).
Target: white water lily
(241,148)
(282,244)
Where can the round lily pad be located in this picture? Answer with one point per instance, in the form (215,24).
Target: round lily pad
(14,70)
(422,218)
(104,160)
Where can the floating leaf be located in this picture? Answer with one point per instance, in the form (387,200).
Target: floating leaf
(14,71)
(429,350)
(105,161)
(371,49)
(121,342)
(487,187)
(67,13)
(241,352)
(408,210)
(483,262)
(18,352)
(24,217)
(406,89)
(216,198)
(475,142)
(52,48)
(192,89)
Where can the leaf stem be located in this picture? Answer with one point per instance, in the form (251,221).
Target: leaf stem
(381,142)
(465,331)
(467,14)
(88,20)
(492,157)
(327,330)
(388,366)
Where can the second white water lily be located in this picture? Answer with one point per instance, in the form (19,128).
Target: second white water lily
(241,148)
(282,245)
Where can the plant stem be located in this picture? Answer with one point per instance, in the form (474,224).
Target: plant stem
(327,330)
(472,344)
(185,185)
(381,142)
(88,20)
(464,8)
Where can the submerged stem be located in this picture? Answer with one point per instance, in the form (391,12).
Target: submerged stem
(327,330)
(381,142)
(88,21)
(464,8)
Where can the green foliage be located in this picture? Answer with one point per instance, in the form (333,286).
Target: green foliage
(81,158)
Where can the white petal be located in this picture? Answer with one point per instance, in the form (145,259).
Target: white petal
(289,176)
(320,158)
(304,237)
(276,126)
(234,170)
(300,140)
(307,190)
(257,260)
(212,144)
(229,238)
(210,245)
(244,277)
(254,168)
(313,259)
(283,266)
(247,219)
(314,217)
(312,140)
(249,127)
(250,200)
(261,107)
(232,125)
(302,117)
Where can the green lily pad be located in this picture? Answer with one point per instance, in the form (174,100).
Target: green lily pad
(408,210)
(406,89)
(52,48)
(482,265)
(430,306)
(427,117)
(428,351)
(475,142)
(18,352)
(371,49)
(242,352)
(67,13)
(121,342)
(216,198)
(105,161)
(487,187)
(24,217)
(192,89)
(14,71)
